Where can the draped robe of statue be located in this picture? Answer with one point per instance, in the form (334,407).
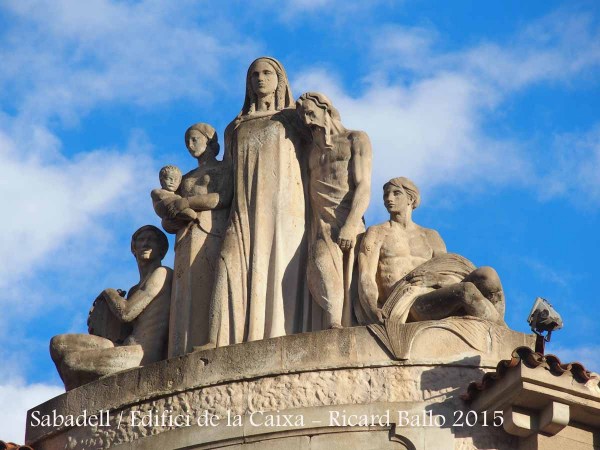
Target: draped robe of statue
(260,286)
(196,254)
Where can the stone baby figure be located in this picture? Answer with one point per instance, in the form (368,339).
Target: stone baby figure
(170,179)
(339,165)
(406,275)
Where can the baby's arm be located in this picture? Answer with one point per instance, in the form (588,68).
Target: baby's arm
(161,199)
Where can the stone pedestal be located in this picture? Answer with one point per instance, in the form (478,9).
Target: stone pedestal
(325,390)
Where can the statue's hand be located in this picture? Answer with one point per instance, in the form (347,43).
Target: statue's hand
(110,292)
(347,237)
(177,206)
(427,279)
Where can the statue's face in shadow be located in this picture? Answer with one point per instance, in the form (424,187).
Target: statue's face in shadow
(312,116)
(146,246)
(196,143)
(263,78)
(395,199)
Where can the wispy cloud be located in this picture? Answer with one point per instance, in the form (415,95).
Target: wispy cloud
(72,210)
(573,165)
(16,398)
(547,273)
(93,53)
(427,109)
(586,354)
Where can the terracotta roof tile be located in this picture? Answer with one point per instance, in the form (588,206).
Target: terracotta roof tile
(532,360)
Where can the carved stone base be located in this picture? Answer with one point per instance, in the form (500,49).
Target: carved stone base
(308,391)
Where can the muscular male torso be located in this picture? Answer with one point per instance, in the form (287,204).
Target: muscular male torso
(331,174)
(401,250)
(151,326)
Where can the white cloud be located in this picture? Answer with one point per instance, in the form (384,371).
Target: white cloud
(548,274)
(429,130)
(553,48)
(335,13)
(586,355)
(58,200)
(575,165)
(98,52)
(48,203)
(426,110)
(16,398)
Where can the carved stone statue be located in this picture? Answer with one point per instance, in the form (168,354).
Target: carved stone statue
(260,279)
(81,358)
(339,166)
(170,179)
(406,274)
(205,191)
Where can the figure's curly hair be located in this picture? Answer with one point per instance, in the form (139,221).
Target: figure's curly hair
(169,169)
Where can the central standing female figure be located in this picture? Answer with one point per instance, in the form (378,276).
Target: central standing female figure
(259,289)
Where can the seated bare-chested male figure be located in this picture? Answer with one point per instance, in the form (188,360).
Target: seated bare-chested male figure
(406,273)
(81,358)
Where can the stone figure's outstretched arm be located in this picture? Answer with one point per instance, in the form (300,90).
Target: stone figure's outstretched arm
(368,259)
(128,310)
(361,172)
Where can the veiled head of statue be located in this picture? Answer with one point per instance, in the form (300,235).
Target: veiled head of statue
(266,76)
(409,188)
(201,137)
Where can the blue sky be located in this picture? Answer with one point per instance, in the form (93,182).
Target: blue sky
(491,108)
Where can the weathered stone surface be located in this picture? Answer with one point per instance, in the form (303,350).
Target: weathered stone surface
(206,191)
(164,198)
(406,275)
(81,358)
(260,276)
(360,378)
(339,167)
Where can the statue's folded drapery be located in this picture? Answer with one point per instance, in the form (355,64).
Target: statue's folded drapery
(260,287)
(447,268)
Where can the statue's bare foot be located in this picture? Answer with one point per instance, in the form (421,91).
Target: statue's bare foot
(335,326)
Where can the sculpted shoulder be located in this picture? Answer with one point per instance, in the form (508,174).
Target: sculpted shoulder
(165,271)
(379,229)
(156,194)
(376,233)
(434,239)
(161,275)
(358,137)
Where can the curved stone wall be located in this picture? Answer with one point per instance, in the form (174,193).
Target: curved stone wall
(330,389)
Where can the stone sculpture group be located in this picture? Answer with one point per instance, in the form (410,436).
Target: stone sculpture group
(271,241)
